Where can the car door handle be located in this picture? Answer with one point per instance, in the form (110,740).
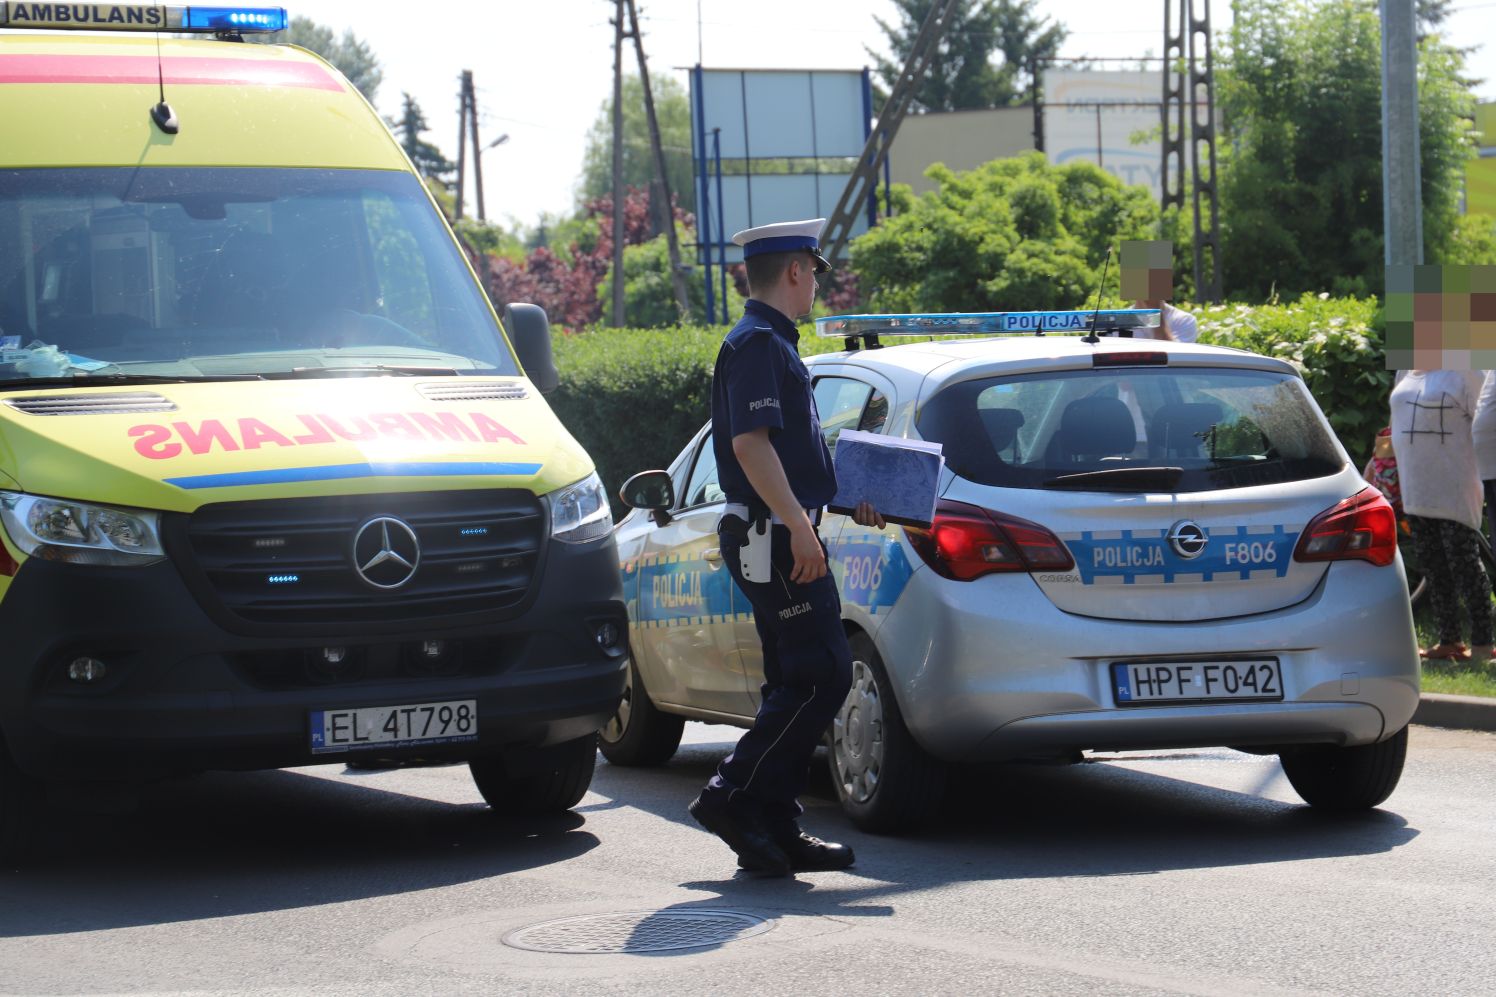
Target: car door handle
(713,556)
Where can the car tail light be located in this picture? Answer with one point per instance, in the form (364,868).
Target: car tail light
(1130,358)
(1362,527)
(966,542)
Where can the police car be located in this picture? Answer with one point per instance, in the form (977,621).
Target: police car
(1137,544)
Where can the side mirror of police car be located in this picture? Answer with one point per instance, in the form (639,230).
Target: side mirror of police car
(530,332)
(652,490)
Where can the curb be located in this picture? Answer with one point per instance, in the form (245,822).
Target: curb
(1463,712)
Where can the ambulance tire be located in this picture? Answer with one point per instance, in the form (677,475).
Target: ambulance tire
(20,803)
(640,734)
(546,781)
(1358,778)
(885,781)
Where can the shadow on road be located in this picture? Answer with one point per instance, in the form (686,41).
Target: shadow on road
(1021,822)
(240,843)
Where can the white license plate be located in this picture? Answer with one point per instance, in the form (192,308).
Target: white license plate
(394,726)
(1196,682)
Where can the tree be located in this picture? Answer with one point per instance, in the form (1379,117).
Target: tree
(1301,191)
(410,126)
(673,111)
(963,73)
(1010,234)
(352,57)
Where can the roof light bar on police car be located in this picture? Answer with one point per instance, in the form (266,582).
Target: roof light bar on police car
(1072,323)
(142,17)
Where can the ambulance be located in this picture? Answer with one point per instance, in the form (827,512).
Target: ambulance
(277,487)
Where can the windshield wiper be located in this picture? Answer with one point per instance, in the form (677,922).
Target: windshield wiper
(89,380)
(1121,479)
(378,368)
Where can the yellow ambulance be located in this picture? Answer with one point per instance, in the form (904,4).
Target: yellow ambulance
(275,488)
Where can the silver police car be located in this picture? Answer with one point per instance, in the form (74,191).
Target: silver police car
(1137,544)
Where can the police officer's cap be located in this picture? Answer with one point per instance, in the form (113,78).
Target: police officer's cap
(785,237)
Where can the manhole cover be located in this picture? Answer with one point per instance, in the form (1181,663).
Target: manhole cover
(638,931)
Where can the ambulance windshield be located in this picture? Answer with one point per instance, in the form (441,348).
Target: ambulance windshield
(196,272)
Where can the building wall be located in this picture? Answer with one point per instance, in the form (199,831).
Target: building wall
(962,140)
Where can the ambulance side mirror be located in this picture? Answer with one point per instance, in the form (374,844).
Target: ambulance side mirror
(530,333)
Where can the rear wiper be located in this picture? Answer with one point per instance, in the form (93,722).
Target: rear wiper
(378,368)
(1121,479)
(90,380)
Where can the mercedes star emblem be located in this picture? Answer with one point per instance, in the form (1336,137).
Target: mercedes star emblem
(1187,539)
(386,552)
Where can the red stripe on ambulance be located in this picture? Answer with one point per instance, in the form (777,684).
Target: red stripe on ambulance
(179,70)
(163,442)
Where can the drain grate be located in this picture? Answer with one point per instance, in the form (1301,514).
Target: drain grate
(637,931)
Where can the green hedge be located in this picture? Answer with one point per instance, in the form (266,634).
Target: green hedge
(633,397)
(1335,342)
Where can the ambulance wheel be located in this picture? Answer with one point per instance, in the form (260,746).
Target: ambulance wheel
(639,734)
(1358,778)
(540,781)
(20,801)
(885,781)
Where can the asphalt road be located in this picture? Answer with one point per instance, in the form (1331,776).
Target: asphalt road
(1177,872)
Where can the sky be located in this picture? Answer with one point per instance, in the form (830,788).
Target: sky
(543,69)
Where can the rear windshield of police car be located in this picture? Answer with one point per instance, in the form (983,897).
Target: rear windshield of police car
(1220,428)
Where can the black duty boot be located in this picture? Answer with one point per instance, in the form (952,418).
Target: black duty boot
(745,834)
(809,854)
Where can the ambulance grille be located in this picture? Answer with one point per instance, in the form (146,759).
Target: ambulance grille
(290,561)
(114,403)
(454,391)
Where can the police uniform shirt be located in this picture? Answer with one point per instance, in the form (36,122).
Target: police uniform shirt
(760,381)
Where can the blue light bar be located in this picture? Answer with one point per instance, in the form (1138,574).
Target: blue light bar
(283,579)
(141,17)
(1072,323)
(473,531)
(234,19)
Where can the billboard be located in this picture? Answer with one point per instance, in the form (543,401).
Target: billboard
(1094,116)
(1480,174)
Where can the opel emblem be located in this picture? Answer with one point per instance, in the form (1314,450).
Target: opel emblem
(1187,539)
(386,552)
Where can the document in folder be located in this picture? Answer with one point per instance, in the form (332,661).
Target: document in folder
(899,477)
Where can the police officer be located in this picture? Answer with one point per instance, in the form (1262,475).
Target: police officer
(777,474)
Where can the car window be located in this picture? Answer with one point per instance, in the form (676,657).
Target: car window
(1224,428)
(702,487)
(204,270)
(841,402)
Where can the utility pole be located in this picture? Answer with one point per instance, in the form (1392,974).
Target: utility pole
(618,194)
(462,110)
(472,106)
(677,275)
(1402,182)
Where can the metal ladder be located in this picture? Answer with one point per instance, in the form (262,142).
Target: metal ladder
(864,178)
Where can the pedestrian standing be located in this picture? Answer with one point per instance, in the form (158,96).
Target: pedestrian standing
(1432,431)
(1484,431)
(777,475)
(1173,323)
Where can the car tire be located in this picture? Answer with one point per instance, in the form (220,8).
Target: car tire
(884,780)
(533,783)
(20,801)
(639,734)
(1358,778)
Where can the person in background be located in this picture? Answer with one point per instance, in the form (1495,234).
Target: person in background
(1433,413)
(1484,430)
(1176,323)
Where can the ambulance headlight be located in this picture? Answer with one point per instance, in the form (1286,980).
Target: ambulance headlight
(580,512)
(80,533)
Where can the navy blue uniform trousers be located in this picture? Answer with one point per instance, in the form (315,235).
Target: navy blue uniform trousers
(807,672)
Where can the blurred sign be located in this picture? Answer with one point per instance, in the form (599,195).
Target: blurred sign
(1096,115)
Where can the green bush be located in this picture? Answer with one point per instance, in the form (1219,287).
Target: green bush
(633,397)
(1335,342)
(1011,234)
(648,297)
